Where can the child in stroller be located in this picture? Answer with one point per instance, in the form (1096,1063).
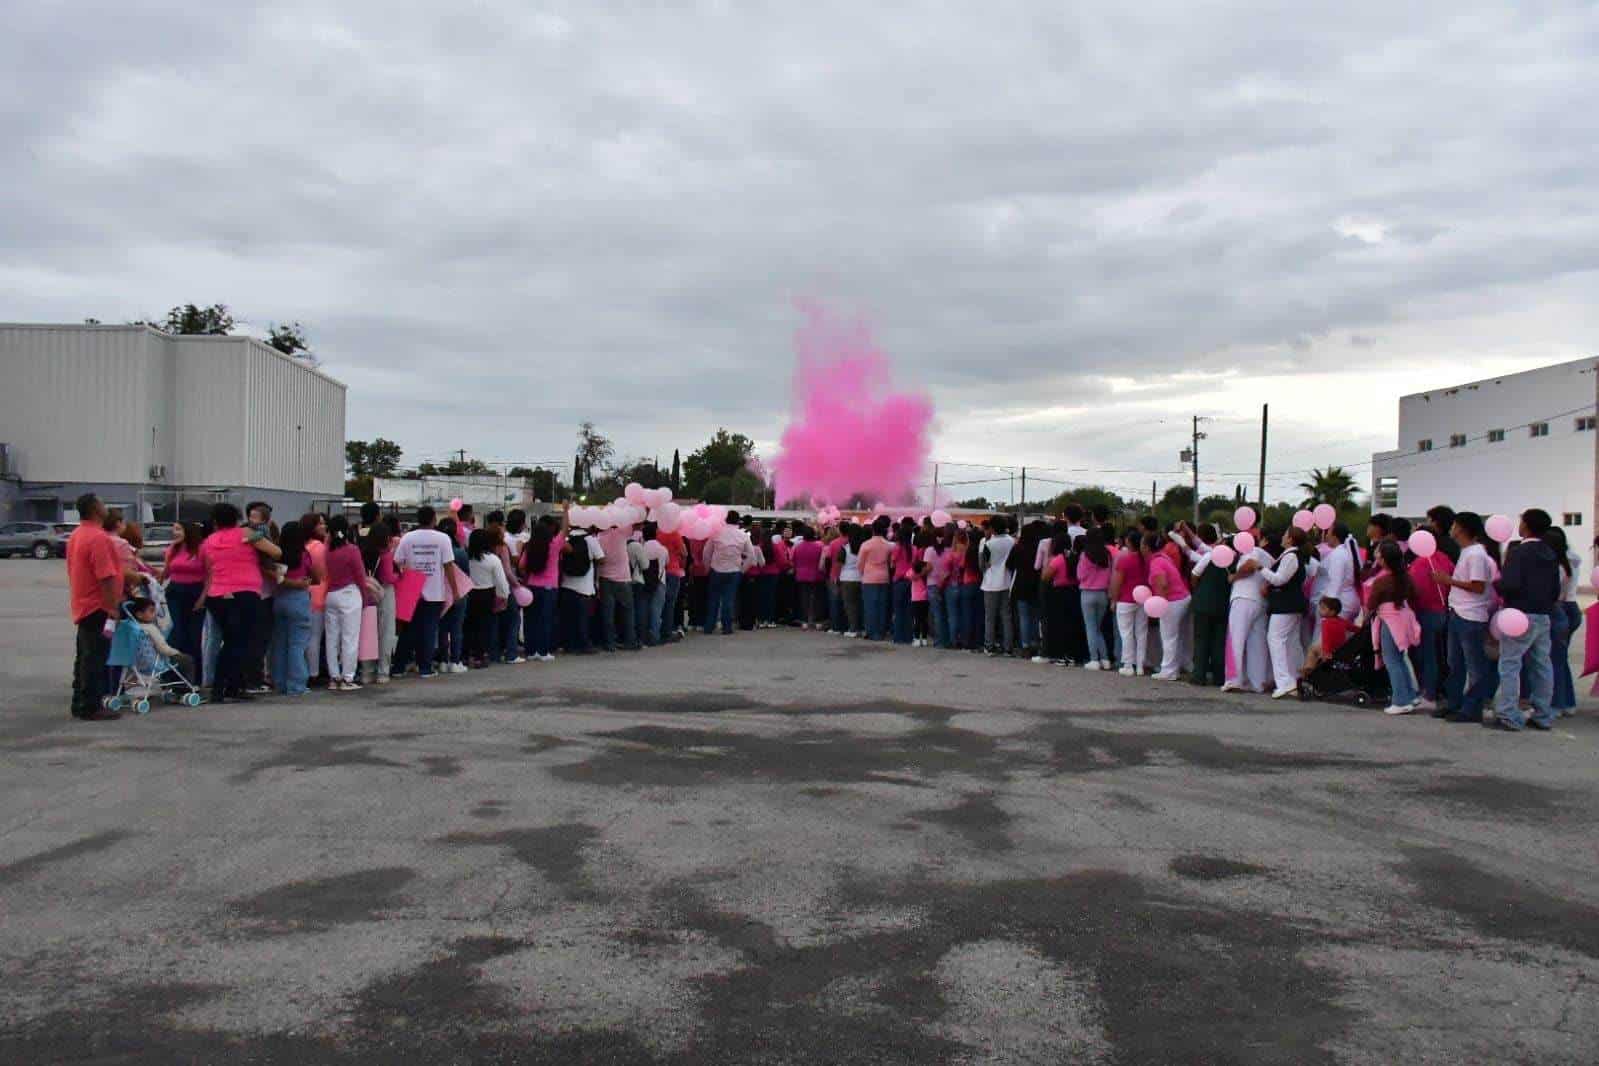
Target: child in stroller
(149,665)
(1349,675)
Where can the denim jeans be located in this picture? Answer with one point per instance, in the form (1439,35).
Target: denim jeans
(233,615)
(291,629)
(1400,679)
(835,607)
(902,612)
(721,600)
(1429,653)
(643,625)
(1529,652)
(1563,623)
(507,629)
(616,598)
(575,620)
(188,624)
(998,630)
(1095,602)
(1026,621)
(666,617)
(538,622)
(940,616)
(765,598)
(1468,655)
(420,639)
(971,597)
(875,600)
(452,625)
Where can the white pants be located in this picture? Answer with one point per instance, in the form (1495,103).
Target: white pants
(1133,625)
(1246,631)
(343,632)
(1287,649)
(1171,637)
(313,646)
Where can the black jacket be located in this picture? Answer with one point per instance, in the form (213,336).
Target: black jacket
(1530,580)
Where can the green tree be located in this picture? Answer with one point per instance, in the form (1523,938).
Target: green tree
(374,458)
(1333,485)
(677,472)
(594,451)
(976,503)
(723,456)
(188,319)
(454,468)
(290,339)
(546,483)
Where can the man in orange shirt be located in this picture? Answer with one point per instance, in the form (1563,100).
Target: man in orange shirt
(94,578)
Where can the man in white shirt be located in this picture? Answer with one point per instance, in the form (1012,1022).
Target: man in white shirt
(726,556)
(431,554)
(651,589)
(997,578)
(1472,678)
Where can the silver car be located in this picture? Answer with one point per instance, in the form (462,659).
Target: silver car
(38,539)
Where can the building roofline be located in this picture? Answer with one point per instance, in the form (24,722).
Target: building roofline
(1587,360)
(186,338)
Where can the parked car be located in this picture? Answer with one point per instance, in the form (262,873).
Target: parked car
(38,539)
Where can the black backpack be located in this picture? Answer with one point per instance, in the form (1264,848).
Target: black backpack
(575,563)
(652,575)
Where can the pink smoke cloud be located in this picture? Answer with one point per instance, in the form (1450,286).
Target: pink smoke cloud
(850,433)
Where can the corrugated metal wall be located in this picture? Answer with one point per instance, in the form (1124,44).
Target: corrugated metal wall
(104,404)
(78,404)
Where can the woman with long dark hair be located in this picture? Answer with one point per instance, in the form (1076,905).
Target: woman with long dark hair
(184,575)
(1286,607)
(489,589)
(903,624)
(1393,624)
(1093,585)
(541,573)
(849,579)
(346,596)
(291,613)
(232,592)
(1564,621)
(1024,590)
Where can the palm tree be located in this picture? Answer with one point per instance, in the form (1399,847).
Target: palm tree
(1333,485)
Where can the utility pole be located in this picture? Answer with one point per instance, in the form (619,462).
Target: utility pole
(462,453)
(934,500)
(1265,409)
(1023,505)
(1152,495)
(1191,455)
(1013,488)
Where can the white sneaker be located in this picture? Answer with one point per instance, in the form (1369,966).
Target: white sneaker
(1165,677)
(546,658)
(1039,659)
(1092,665)
(1284,693)
(382,677)
(1128,671)
(1232,686)
(1394,708)
(457,668)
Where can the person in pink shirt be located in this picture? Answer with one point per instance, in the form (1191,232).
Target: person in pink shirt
(768,577)
(1166,581)
(615,572)
(1063,610)
(315,528)
(1094,563)
(540,568)
(346,584)
(876,559)
(1127,574)
(808,583)
(184,575)
(1432,612)
(936,562)
(232,560)
(916,556)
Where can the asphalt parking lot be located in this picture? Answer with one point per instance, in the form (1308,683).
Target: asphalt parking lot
(783,848)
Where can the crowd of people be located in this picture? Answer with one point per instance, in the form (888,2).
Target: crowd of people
(253,608)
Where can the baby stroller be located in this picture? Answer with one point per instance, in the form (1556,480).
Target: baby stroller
(1350,675)
(145,671)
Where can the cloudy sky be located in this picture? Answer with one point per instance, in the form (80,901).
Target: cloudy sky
(1073,225)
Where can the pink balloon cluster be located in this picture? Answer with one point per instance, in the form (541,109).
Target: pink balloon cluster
(1141,593)
(1325,515)
(940,518)
(1243,543)
(1156,606)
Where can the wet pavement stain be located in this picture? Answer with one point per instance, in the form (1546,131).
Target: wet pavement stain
(556,851)
(322,903)
(539,743)
(1500,905)
(1213,868)
(1502,797)
(441,765)
(977,819)
(317,753)
(13,872)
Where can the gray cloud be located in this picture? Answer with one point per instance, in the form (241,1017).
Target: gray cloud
(497,221)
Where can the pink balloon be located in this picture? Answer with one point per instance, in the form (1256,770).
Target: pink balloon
(1423,544)
(940,518)
(1244,518)
(962,524)
(1222,556)
(1156,606)
(456,504)
(1493,628)
(702,510)
(666,494)
(1501,528)
(669,517)
(1304,520)
(634,493)
(1243,543)
(1325,515)
(1512,623)
(1141,593)
(522,595)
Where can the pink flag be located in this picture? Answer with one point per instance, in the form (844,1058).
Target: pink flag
(407,590)
(1590,646)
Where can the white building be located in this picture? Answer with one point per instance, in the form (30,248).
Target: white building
(1499,446)
(485,492)
(161,424)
